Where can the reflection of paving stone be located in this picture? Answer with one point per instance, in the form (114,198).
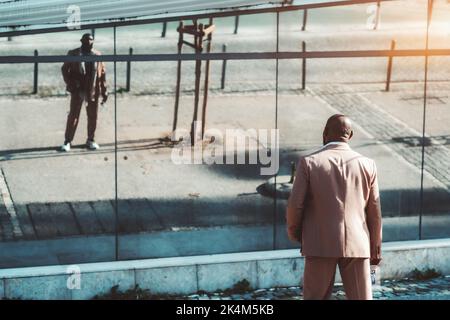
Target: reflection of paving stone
(5,223)
(65,219)
(385,127)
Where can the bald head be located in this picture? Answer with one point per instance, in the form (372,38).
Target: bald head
(338,128)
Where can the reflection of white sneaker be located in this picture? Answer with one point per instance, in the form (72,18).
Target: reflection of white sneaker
(65,147)
(92,145)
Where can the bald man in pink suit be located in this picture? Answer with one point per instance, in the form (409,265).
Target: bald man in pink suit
(334,212)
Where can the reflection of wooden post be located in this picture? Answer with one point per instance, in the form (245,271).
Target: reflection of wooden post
(236,24)
(206,85)
(430,11)
(303,66)
(129,71)
(305,19)
(198,69)
(389,67)
(199,31)
(36,74)
(177,90)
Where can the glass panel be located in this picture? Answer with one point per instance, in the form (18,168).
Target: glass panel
(59,207)
(168,204)
(384,121)
(436,196)
(55,207)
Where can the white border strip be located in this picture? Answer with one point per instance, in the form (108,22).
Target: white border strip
(7,199)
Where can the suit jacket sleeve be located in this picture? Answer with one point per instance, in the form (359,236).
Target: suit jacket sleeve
(373,216)
(65,70)
(296,202)
(103,85)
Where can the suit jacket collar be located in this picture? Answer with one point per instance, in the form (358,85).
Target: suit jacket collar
(336,145)
(77,52)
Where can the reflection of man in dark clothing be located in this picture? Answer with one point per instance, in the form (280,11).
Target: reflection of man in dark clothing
(85,81)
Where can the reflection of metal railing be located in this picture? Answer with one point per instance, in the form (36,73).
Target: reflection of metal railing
(272,55)
(282,55)
(225,56)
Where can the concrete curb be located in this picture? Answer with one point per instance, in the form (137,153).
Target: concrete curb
(184,275)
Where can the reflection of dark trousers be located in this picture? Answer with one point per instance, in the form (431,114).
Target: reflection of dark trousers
(318,279)
(76,102)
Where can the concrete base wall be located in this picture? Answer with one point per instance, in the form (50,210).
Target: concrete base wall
(183,275)
(193,242)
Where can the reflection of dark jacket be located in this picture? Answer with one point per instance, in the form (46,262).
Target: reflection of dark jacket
(78,79)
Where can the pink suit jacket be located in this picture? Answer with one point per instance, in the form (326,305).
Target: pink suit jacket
(334,206)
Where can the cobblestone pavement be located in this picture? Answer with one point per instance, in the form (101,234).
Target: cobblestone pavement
(406,289)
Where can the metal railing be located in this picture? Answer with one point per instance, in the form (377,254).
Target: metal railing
(224,56)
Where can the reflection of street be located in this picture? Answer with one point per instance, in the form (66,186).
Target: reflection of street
(59,195)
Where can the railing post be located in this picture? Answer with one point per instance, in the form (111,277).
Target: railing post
(303,66)
(224,67)
(206,83)
(377,16)
(177,89)
(236,24)
(93,33)
(305,19)
(389,67)
(129,72)
(164,29)
(36,73)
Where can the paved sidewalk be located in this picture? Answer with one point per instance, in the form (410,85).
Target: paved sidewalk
(406,289)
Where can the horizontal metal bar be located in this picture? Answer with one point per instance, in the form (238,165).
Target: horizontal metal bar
(189,44)
(221,14)
(228,56)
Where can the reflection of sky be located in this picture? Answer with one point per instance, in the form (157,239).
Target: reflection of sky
(395,14)
(36,14)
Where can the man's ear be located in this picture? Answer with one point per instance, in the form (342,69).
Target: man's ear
(351,135)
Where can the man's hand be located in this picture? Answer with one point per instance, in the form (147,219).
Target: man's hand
(295,238)
(71,87)
(375,261)
(105,97)
(375,254)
